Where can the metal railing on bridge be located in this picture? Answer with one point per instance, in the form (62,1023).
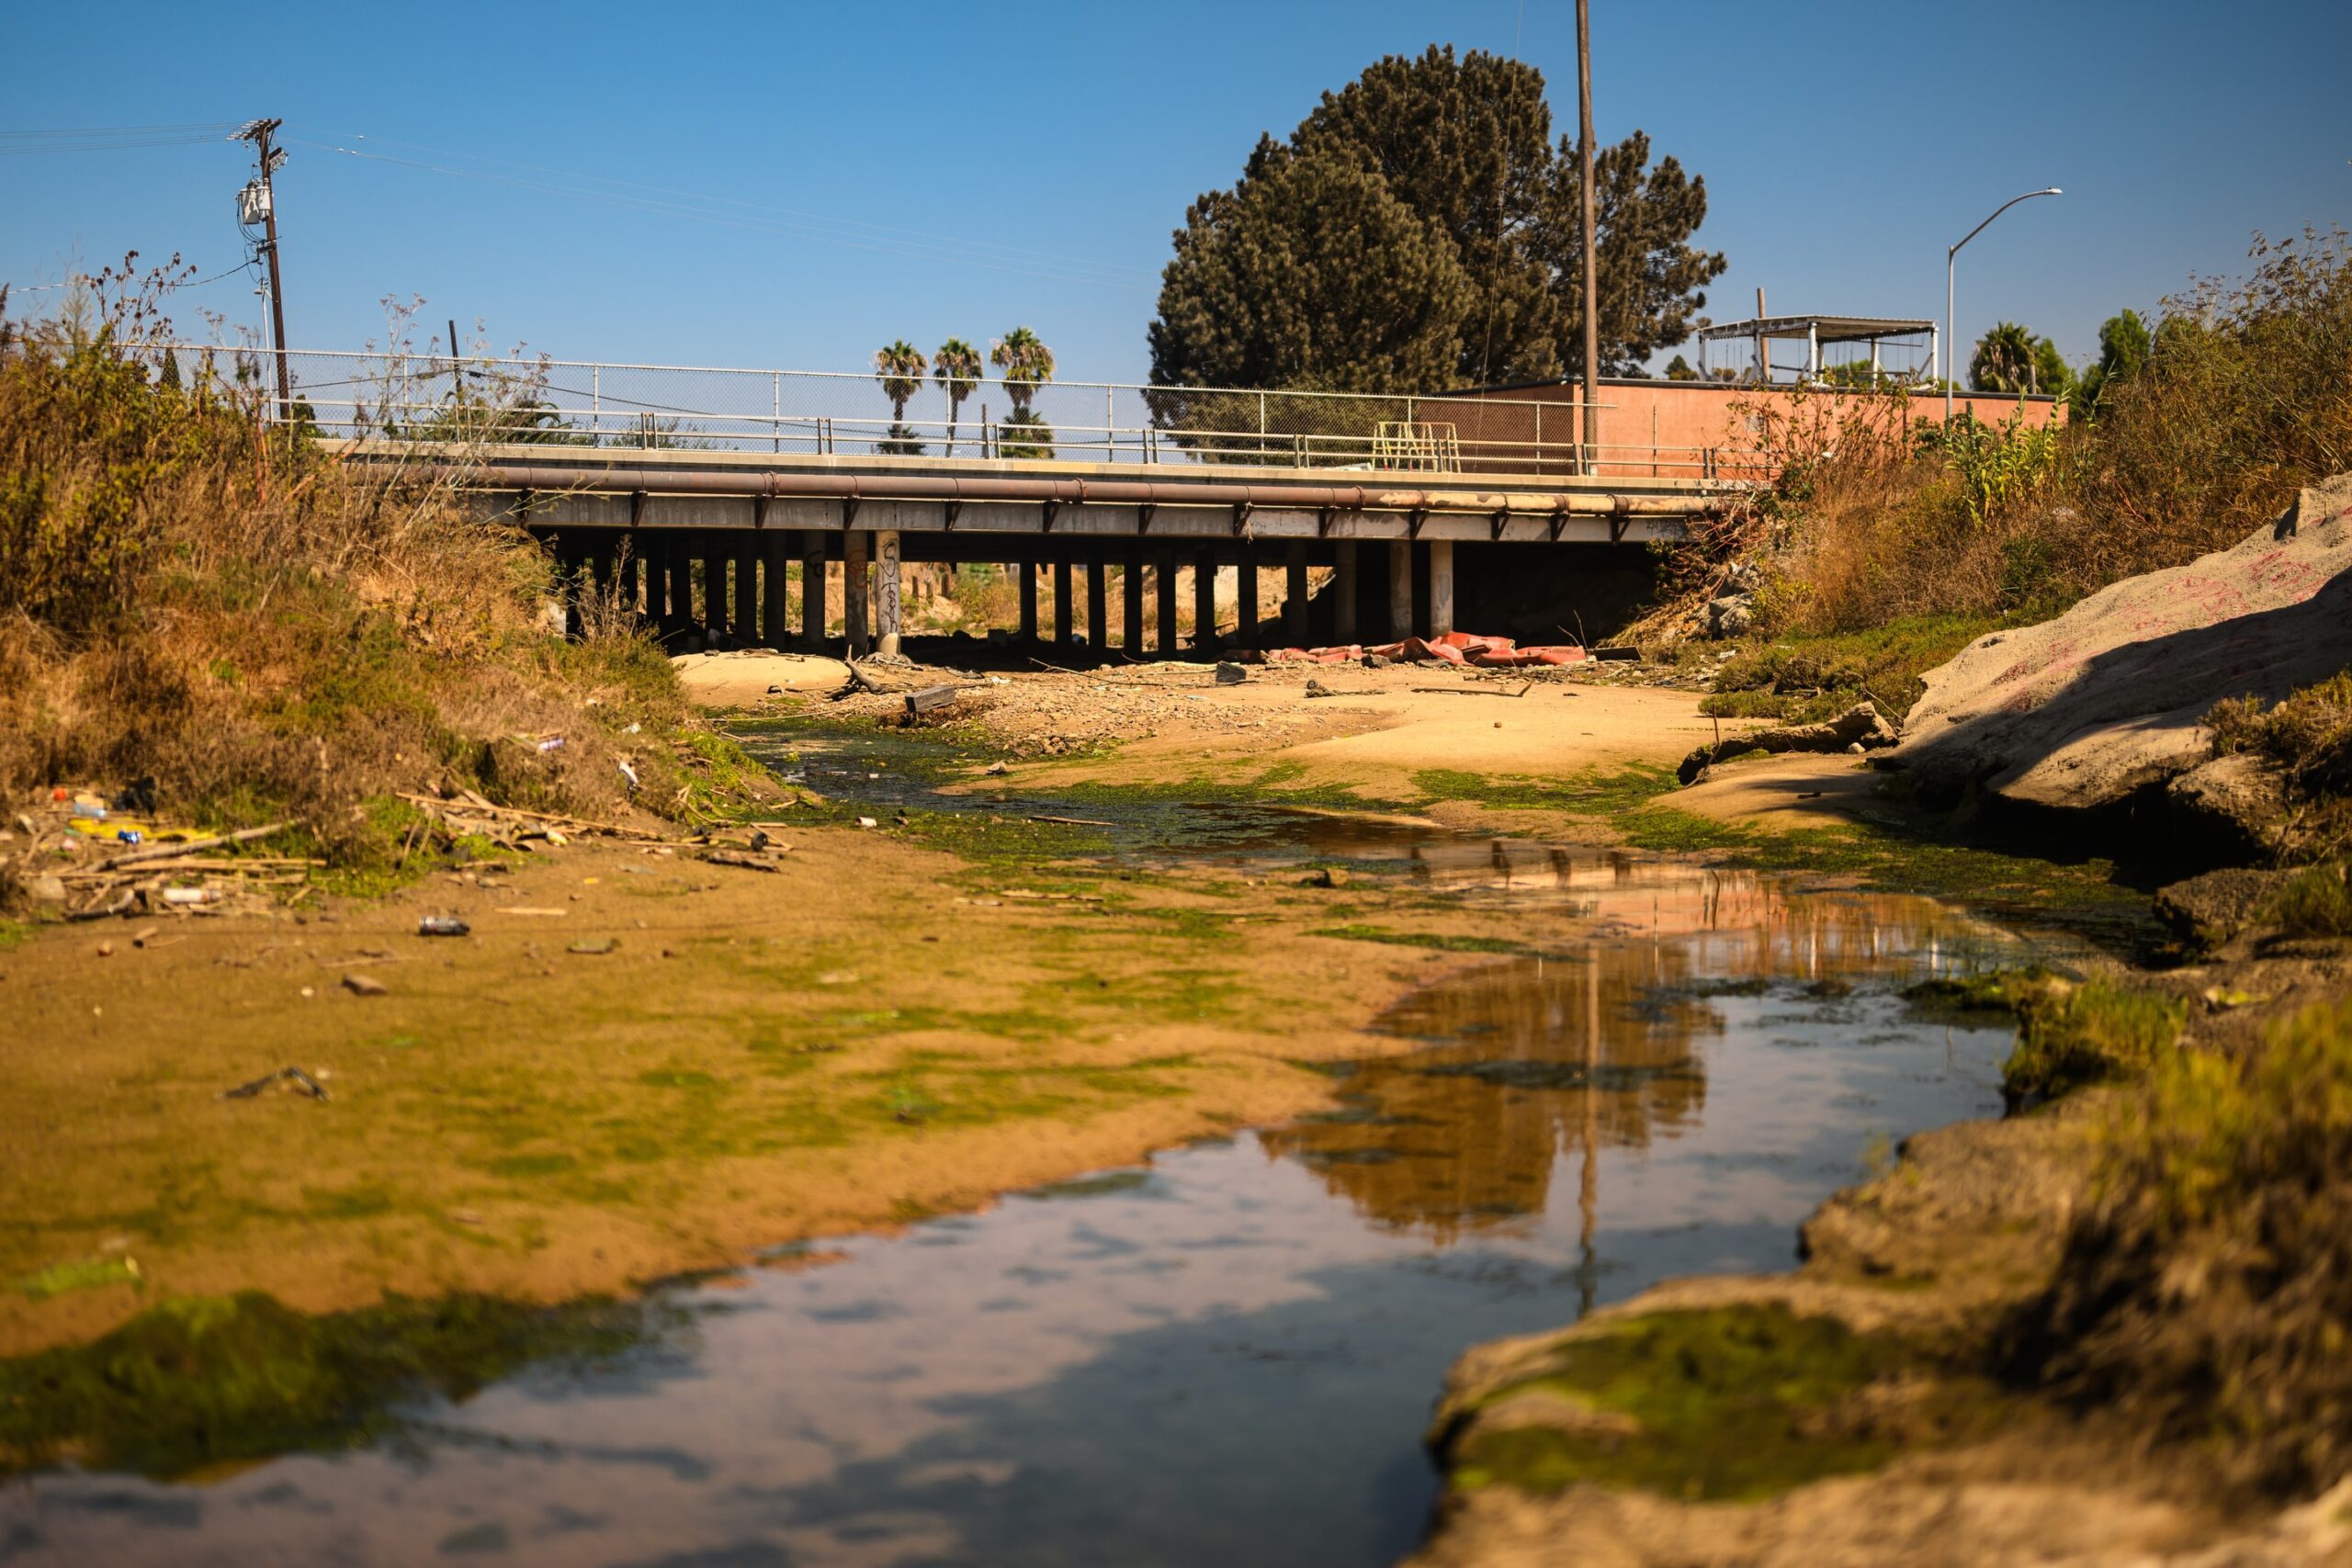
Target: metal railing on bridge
(478,399)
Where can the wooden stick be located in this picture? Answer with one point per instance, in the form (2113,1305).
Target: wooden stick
(579,822)
(172,851)
(1474,691)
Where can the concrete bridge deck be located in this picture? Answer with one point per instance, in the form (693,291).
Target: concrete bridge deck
(650,526)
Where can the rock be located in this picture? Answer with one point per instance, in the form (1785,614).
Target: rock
(1231,674)
(2240,795)
(2110,697)
(2210,909)
(1730,615)
(1328,876)
(45,889)
(364,986)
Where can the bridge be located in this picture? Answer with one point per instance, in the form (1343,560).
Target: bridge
(719,506)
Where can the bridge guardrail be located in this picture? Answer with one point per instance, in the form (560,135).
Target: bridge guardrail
(556,402)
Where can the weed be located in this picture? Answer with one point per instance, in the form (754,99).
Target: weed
(2073,1036)
(2207,1291)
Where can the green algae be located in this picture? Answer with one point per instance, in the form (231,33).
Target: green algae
(1436,941)
(1734,1402)
(201,1381)
(1885,856)
(1593,792)
(78,1274)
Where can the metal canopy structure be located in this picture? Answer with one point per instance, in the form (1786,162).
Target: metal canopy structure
(1817,333)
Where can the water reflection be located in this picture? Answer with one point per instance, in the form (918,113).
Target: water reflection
(1224,1361)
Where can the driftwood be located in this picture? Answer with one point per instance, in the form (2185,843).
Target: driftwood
(1525,687)
(1859,725)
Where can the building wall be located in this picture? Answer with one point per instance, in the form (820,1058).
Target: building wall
(1672,429)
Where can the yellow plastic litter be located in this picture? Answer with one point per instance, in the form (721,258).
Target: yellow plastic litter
(91,827)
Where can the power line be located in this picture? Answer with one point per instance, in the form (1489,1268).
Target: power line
(956,242)
(959,252)
(113,139)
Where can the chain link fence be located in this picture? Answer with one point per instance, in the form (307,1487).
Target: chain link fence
(475,399)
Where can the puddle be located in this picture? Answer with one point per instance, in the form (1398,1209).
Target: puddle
(1226,1358)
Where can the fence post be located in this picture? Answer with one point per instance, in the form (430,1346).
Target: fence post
(596,402)
(775,422)
(1110,430)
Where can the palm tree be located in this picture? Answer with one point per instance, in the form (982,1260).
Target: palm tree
(2003,361)
(1027,365)
(957,368)
(899,367)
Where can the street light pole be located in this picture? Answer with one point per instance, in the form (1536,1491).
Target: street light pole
(1950,257)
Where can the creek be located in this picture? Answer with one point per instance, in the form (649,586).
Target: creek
(1226,1356)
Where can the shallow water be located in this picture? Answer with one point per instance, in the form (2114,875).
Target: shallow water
(1226,1358)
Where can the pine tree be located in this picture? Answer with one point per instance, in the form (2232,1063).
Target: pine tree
(1465,146)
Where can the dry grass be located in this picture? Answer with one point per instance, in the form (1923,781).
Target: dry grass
(1878,516)
(2207,1292)
(191,595)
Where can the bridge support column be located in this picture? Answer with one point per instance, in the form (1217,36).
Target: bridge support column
(714,586)
(1294,593)
(776,595)
(1027,571)
(1098,600)
(1400,588)
(813,572)
(632,543)
(679,549)
(1343,592)
(1061,603)
(1245,599)
(1441,587)
(745,621)
(886,591)
(853,593)
(1167,603)
(657,577)
(1130,604)
(1204,603)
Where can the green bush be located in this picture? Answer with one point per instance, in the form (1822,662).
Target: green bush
(2209,1292)
(2068,1038)
(2316,903)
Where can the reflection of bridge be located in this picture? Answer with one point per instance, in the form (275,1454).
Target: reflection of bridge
(710,500)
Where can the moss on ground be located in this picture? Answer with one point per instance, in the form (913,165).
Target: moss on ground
(197,1382)
(1438,941)
(1593,792)
(1735,1403)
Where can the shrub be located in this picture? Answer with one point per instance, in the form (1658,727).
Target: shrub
(2208,1291)
(2071,1037)
(2308,738)
(2244,397)
(2316,903)
(190,594)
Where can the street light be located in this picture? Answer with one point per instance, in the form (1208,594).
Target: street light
(1948,256)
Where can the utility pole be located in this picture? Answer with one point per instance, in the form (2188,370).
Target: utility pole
(1591,248)
(258,133)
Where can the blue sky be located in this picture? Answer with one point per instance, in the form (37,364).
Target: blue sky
(925,171)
